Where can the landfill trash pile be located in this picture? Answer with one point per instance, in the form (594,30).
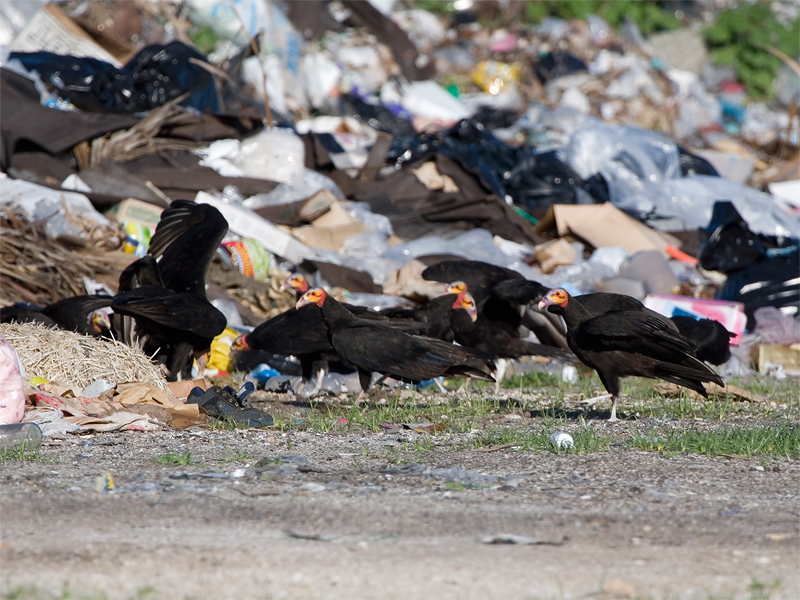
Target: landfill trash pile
(260,187)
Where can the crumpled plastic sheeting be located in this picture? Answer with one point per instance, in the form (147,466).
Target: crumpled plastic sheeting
(643,173)
(774,327)
(51,421)
(63,213)
(476,244)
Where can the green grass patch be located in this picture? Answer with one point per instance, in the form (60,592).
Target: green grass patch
(457,413)
(781,440)
(586,439)
(20,453)
(227,424)
(174,459)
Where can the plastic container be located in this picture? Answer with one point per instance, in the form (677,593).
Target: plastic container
(25,437)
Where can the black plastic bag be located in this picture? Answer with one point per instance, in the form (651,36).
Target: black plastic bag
(376,116)
(773,281)
(557,64)
(731,245)
(762,270)
(156,75)
(691,164)
(530,178)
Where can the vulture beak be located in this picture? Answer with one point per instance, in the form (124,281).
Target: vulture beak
(457,287)
(100,320)
(240,344)
(295,282)
(467,302)
(316,296)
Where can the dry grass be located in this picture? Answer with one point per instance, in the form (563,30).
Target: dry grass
(71,359)
(36,269)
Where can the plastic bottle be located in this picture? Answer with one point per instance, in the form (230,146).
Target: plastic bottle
(20,436)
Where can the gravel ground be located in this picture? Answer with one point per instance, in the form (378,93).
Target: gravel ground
(298,514)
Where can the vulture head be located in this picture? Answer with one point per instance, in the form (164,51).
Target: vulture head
(316,296)
(555,300)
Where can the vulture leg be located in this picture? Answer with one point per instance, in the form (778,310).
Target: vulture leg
(500,374)
(438,383)
(611,383)
(365,379)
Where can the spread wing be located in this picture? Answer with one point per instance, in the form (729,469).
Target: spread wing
(184,243)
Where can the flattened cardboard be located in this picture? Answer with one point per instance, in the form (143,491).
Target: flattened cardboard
(330,230)
(181,389)
(604,225)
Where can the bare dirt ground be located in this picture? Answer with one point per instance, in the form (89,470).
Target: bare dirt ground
(298,514)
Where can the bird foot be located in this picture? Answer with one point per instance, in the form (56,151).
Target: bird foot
(439,385)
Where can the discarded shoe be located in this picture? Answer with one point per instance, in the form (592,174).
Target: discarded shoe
(224,404)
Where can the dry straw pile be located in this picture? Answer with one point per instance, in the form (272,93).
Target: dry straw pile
(75,360)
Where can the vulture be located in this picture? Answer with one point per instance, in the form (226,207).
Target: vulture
(299,284)
(435,318)
(504,295)
(302,332)
(496,332)
(712,339)
(171,327)
(298,331)
(618,337)
(373,346)
(162,306)
(82,314)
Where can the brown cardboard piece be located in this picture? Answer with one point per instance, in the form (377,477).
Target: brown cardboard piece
(330,230)
(430,177)
(778,354)
(552,254)
(407,281)
(129,394)
(317,205)
(603,225)
(181,389)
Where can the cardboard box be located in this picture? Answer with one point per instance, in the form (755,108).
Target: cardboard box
(52,30)
(778,354)
(604,225)
(330,230)
(730,314)
(136,211)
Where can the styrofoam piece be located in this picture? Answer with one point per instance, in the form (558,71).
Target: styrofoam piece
(246,223)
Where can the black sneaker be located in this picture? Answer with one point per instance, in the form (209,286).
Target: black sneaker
(224,405)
